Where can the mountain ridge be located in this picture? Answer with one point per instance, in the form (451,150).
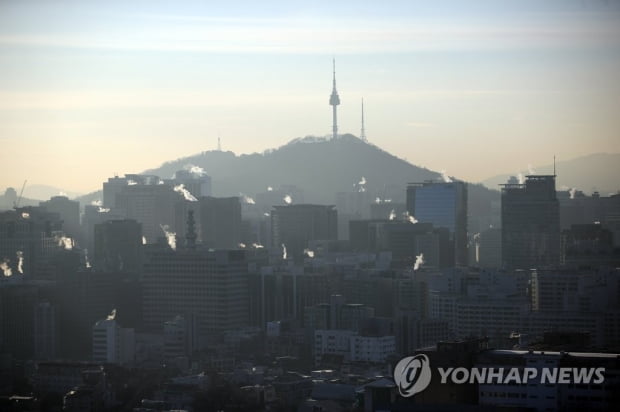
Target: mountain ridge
(338,163)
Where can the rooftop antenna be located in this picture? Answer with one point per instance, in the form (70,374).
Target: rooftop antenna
(363,132)
(219,144)
(553,165)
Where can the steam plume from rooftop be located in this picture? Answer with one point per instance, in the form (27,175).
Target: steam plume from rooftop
(247,199)
(419,261)
(197,171)
(6,269)
(186,194)
(20,261)
(171,237)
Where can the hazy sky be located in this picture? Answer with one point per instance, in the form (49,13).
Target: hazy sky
(89,89)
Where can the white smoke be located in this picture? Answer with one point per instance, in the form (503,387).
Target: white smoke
(361,185)
(88,266)
(419,261)
(160,182)
(242,245)
(103,209)
(247,199)
(269,189)
(445,177)
(112,315)
(266,214)
(392,215)
(195,170)
(257,246)
(387,200)
(61,193)
(143,240)
(531,170)
(65,241)
(284,254)
(25,215)
(97,202)
(6,269)
(186,194)
(20,261)
(171,237)
(377,200)
(410,218)
(572,192)
(288,199)
(309,253)
(521,178)
(131,182)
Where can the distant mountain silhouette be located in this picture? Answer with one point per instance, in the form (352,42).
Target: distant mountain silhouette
(320,167)
(594,172)
(32,195)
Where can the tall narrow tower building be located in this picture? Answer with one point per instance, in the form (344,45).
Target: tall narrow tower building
(334,101)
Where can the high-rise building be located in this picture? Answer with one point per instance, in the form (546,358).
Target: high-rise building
(45,331)
(197,182)
(118,246)
(220,222)
(444,204)
(285,293)
(95,214)
(68,211)
(210,285)
(150,203)
(29,236)
(179,337)
(490,248)
(112,343)
(530,223)
(112,188)
(17,318)
(295,225)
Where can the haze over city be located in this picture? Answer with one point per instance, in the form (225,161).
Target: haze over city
(477,88)
(309,206)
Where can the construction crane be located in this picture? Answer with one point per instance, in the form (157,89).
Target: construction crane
(19,198)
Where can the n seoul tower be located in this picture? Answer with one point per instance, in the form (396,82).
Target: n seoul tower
(334,101)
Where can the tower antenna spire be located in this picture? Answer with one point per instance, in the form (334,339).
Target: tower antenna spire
(334,101)
(363,131)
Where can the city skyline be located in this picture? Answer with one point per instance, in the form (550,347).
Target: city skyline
(477,90)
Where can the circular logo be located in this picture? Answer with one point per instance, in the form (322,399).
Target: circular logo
(412,374)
